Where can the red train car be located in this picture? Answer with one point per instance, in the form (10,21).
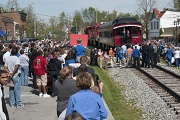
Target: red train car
(120,31)
(93,33)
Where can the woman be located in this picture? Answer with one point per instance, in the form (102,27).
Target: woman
(85,102)
(65,87)
(32,57)
(24,63)
(169,56)
(54,68)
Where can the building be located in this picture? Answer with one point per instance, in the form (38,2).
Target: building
(164,24)
(13,23)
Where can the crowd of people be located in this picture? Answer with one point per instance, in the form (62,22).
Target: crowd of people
(129,55)
(65,69)
(58,65)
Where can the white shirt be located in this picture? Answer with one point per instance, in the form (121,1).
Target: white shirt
(176,54)
(138,47)
(10,63)
(24,60)
(124,48)
(7,54)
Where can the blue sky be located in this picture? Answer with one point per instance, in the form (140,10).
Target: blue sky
(55,7)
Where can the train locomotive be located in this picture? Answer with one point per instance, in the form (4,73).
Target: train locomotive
(116,32)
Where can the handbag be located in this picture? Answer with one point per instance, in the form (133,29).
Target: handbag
(10,82)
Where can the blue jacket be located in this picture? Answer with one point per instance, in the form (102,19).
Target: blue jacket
(79,50)
(136,53)
(88,104)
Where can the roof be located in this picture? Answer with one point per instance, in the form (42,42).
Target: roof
(120,21)
(157,13)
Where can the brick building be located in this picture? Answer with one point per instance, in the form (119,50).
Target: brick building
(13,24)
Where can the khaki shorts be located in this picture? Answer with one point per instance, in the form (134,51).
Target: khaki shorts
(41,79)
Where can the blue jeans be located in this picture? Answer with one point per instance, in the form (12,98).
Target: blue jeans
(177,62)
(24,75)
(169,63)
(14,92)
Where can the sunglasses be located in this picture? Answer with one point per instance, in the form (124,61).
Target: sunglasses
(4,77)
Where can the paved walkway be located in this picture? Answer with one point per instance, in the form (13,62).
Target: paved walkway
(36,108)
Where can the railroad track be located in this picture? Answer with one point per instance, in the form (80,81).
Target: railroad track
(165,83)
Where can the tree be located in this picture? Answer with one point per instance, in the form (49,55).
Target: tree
(13,4)
(144,9)
(176,5)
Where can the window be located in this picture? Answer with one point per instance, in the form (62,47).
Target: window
(154,24)
(151,25)
(135,31)
(157,24)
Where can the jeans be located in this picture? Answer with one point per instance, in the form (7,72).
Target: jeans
(24,75)
(14,92)
(177,61)
(169,63)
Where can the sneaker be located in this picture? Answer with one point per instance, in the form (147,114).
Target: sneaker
(40,95)
(46,95)
(20,106)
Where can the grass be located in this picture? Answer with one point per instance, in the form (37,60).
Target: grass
(118,105)
(120,108)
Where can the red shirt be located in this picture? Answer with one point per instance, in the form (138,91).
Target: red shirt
(39,65)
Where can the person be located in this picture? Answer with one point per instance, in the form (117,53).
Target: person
(32,57)
(144,54)
(177,57)
(169,56)
(24,63)
(3,110)
(100,58)
(87,103)
(129,56)
(12,67)
(136,55)
(40,70)
(83,60)
(65,87)
(117,49)
(70,58)
(74,116)
(138,47)
(106,59)
(1,56)
(121,57)
(7,53)
(150,56)
(79,49)
(54,68)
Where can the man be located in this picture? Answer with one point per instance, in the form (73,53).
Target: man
(83,60)
(40,69)
(11,66)
(79,49)
(7,54)
(3,110)
(1,56)
(136,55)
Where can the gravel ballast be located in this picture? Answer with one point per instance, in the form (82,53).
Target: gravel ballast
(152,105)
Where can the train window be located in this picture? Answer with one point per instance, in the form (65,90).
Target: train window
(135,31)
